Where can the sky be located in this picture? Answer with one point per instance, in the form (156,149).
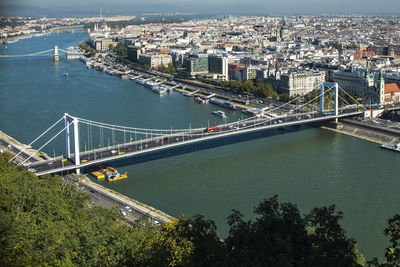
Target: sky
(223,7)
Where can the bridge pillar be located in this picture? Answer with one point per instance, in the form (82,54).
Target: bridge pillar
(76,145)
(56,55)
(336,101)
(321,98)
(67,141)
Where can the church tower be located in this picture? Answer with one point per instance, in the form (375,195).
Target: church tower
(366,78)
(381,88)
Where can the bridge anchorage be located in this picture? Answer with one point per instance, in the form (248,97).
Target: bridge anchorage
(98,142)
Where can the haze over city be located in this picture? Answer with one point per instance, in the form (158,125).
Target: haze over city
(255,7)
(200,133)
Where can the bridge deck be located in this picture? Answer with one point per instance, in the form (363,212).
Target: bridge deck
(101,156)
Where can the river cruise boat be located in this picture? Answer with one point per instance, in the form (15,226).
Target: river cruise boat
(161,90)
(73,52)
(110,173)
(223,104)
(395,148)
(113,175)
(219,113)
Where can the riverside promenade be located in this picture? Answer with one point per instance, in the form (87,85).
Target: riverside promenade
(138,209)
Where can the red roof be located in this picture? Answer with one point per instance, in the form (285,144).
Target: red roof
(391,88)
(388,99)
(162,51)
(360,54)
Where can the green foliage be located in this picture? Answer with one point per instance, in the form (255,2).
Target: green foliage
(258,87)
(281,237)
(88,49)
(208,248)
(167,69)
(392,253)
(344,98)
(48,221)
(12,22)
(284,97)
(120,50)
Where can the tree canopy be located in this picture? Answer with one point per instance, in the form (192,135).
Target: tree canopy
(258,87)
(49,221)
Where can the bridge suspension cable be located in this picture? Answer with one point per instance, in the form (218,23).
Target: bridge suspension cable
(51,127)
(68,124)
(358,104)
(113,126)
(41,53)
(116,130)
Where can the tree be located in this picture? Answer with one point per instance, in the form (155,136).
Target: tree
(208,248)
(392,253)
(120,50)
(281,237)
(48,221)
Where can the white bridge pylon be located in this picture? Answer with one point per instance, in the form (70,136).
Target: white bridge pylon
(330,86)
(68,120)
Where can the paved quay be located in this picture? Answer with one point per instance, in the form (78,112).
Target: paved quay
(10,144)
(365,131)
(103,196)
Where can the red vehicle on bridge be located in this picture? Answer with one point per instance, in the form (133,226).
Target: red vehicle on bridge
(212,129)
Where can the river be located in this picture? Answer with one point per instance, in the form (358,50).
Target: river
(308,167)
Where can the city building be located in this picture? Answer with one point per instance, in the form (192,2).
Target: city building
(249,73)
(196,63)
(102,44)
(219,65)
(155,60)
(134,53)
(352,81)
(379,92)
(299,83)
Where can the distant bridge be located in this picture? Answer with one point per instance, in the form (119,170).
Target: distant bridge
(71,28)
(55,53)
(130,141)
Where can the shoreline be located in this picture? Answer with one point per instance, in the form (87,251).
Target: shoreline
(188,86)
(365,133)
(8,140)
(138,207)
(14,39)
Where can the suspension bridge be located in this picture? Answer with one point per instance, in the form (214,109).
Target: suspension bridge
(55,53)
(107,142)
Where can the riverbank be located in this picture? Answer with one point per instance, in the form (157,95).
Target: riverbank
(10,144)
(184,86)
(139,208)
(363,131)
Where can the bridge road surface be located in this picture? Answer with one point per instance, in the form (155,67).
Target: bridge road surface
(104,200)
(101,156)
(15,150)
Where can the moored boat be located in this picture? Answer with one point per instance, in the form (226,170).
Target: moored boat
(219,113)
(111,174)
(395,147)
(223,104)
(199,100)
